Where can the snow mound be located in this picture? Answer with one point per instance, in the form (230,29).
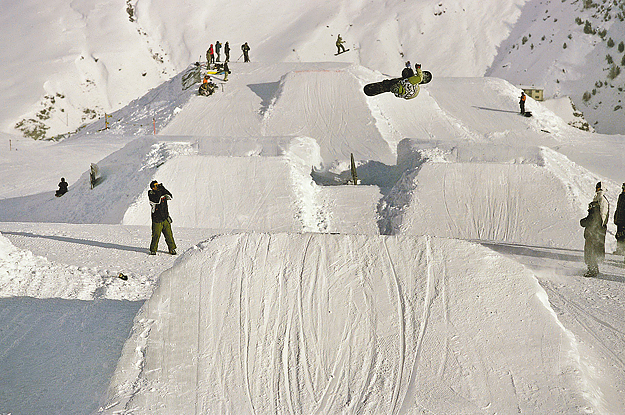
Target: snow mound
(519,203)
(257,323)
(329,106)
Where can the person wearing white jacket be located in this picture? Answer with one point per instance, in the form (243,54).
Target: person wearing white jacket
(604,205)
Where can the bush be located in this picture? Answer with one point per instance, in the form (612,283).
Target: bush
(586,97)
(623,61)
(588,28)
(609,59)
(610,43)
(615,71)
(621,47)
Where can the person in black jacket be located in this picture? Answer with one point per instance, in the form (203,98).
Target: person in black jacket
(619,221)
(62,188)
(407,72)
(161,222)
(594,236)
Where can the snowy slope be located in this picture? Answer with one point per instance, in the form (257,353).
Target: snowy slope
(323,323)
(86,59)
(468,317)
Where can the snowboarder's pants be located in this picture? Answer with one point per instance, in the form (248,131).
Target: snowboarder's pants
(340,48)
(164,228)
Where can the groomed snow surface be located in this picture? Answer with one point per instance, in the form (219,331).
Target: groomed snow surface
(448,281)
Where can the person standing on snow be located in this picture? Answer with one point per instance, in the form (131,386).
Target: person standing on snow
(210,55)
(522,102)
(161,222)
(604,205)
(339,45)
(619,221)
(246,50)
(217,49)
(408,88)
(227,51)
(594,237)
(407,72)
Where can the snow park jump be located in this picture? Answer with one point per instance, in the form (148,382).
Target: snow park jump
(448,280)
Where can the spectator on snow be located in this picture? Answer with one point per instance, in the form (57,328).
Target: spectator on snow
(217,49)
(522,102)
(407,72)
(594,237)
(161,221)
(619,221)
(227,51)
(339,45)
(246,50)
(604,205)
(210,55)
(62,188)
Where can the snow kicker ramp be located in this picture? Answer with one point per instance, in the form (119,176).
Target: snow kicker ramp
(327,105)
(518,203)
(319,323)
(251,193)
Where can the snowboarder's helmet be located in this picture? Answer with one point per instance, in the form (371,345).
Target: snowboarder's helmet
(417,65)
(598,187)
(408,64)
(153,183)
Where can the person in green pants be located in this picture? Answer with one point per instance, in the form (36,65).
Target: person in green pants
(161,221)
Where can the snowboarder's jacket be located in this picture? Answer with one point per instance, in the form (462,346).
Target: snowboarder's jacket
(604,206)
(158,202)
(339,41)
(408,88)
(594,235)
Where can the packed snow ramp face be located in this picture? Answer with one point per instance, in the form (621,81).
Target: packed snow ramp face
(319,323)
(517,203)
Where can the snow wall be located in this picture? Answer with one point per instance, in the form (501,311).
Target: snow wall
(318,323)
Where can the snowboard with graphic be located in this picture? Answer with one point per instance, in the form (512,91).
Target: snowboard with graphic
(377,88)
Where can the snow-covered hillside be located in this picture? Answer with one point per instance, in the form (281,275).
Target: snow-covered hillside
(70,64)
(449,280)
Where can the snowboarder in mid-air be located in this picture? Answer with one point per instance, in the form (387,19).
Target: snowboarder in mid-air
(339,45)
(62,188)
(161,222)
(406,88)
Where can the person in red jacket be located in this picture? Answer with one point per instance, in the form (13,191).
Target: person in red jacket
(210,55)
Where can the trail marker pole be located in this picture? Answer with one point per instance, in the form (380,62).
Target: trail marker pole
(154,122)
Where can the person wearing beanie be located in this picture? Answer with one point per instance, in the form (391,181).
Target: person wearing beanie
(161,221)
(604,205)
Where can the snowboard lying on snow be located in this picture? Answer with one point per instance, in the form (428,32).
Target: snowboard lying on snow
(377,88)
